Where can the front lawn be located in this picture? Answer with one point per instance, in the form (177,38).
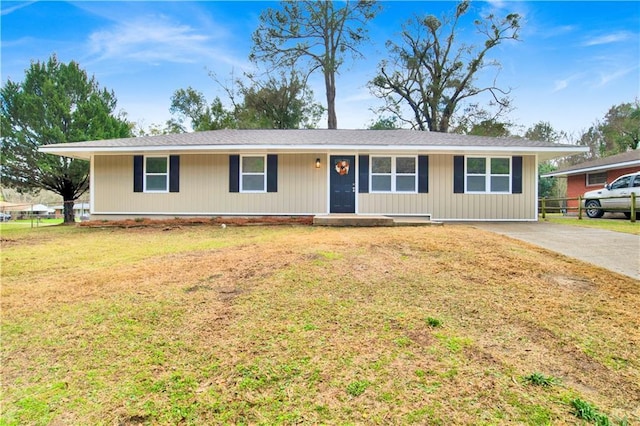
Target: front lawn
(28,223)
(303,325)
(609,222)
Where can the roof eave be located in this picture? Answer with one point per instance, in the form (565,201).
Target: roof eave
(85,153)
(594,169)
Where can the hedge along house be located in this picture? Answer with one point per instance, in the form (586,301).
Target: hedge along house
(314,172)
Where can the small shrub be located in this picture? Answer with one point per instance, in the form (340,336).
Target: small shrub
(585,411)
(539,379)
(357,388)
(139,219)
(433,322)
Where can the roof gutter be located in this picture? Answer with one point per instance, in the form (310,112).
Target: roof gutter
(593,169)
(86,152)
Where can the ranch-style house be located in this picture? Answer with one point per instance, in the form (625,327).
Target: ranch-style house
(315,172)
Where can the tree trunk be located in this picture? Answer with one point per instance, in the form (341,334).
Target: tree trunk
(330,84)
(69,214)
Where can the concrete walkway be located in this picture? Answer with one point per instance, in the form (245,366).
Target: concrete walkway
(616,251)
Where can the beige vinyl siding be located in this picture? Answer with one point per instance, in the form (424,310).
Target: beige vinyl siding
(442,203)
(204,188)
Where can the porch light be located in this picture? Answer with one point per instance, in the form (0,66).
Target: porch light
(317,163)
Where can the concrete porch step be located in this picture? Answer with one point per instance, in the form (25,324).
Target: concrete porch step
(371,221)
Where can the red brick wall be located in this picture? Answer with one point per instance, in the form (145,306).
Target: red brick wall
(577,184)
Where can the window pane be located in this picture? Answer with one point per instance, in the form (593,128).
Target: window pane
(476,183)
(406,183)
(157,183)
(499,166)
(156,165)
(596,178)
(253,164)
(405,165)
(476,166)
(499,184)
(381,183)
(621,183)
(253,182)
(381,165)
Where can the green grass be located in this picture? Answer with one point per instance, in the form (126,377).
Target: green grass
(28,223)
(617,224)
(285,325)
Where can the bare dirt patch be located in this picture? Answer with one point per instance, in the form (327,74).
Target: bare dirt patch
(168,224)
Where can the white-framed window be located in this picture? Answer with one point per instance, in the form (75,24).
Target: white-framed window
(394,174)
(488,175)
(594,179)
(156,174)
(253,176)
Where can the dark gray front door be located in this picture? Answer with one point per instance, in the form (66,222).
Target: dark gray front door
(343,183)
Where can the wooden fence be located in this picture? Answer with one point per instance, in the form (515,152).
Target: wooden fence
(560,205)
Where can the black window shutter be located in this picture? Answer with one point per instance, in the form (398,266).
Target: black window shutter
(138,173)
(174,173)
(458,174)
(516,175)
(363,174)
(234,173)
(423,174)
(272,173)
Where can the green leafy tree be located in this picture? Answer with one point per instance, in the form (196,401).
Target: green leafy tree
(491,128)
(284,103)
(620,129)
(617,132)
(544,131)
(385,123)
(430,74)
(56,103)
(318,32)
(190,104)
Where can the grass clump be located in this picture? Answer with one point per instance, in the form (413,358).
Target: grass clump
(586,411)
(433,322)
(357,388)
(539,379)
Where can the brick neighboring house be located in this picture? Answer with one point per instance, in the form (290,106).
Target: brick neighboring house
(594,174)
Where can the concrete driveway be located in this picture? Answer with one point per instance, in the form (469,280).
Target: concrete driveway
(616,251)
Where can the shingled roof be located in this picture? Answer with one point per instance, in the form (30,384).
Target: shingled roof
(618,161)
(317,140)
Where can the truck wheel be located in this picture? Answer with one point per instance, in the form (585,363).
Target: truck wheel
(593,209)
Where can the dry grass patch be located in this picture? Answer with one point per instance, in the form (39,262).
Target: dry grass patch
(281,325)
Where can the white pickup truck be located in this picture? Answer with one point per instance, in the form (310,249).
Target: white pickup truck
(599,201)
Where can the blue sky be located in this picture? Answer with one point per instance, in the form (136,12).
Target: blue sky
(574,61)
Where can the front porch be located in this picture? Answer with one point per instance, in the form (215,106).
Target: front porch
(372,220)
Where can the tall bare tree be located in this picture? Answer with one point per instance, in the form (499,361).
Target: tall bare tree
(318,32)
(432,73)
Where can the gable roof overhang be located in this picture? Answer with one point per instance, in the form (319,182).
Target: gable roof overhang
(316,141)
(614,162)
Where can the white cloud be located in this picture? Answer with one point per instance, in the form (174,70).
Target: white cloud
(155,39)
(148,39)
(559,85)
(14,7)
(606,78)
(608,38)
